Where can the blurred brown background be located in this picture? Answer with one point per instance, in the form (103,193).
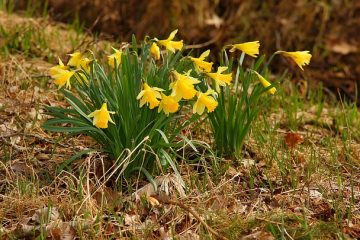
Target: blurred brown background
(330,29)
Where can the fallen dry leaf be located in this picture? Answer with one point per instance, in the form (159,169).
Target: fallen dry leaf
(61,231)
(168,184)
(132,220)
(45,215)
(189,235)
(248,163)
(163,234)
(258,235)
(45,220)
(293,139)
(110,229)
(343,48)
(152,201)
(353,231)
(215,20)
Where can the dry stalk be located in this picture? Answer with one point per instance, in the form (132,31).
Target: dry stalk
(166,200)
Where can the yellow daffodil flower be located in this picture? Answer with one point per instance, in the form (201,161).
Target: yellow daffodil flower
(62,78)
(265,83)
(115,56)
(55,70)
(301,58)
(155,51)
(75,60)
(84,64)
(150,95)
(220,79)
(249,48)
(183,86)
(101,117)
(168,104)
(169,44)
(200,64)
(205,100)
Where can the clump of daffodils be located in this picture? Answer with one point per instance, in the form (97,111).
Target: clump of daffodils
(137,94)
(62,74)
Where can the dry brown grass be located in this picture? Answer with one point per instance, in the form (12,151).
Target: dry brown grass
(291,186)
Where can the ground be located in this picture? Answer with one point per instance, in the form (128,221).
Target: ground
(298,178)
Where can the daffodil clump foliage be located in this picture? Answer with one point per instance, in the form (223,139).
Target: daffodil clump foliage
(240,102)
(140,98)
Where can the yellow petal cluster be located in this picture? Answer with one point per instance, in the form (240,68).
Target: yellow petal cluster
(205,100)
(149,95)
(79,62)
(220,78)
(85,64)
(168,104)
(265,83)
(75,60)
(62,77)
(301,58)
(169,44)
(155,51)
(200,64)
(55,70)
(183,86)
(249,48)
(115,57)
(101,117)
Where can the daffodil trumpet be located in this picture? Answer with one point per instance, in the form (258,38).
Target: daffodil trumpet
(301,58)
(205,100)
(115,58)
(168,104)
(183,86)
(249,48)
(169,44)
(101,117)
(149,95)
(200,64)
(220,78)
(266,84)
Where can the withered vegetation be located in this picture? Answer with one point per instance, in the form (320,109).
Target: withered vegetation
(299,177)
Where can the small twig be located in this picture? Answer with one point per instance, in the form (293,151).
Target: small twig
(205,44)
(34,76)
(267,220)
(166,200)
(35,136)
(18,148)
(287,234)
(18,65)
